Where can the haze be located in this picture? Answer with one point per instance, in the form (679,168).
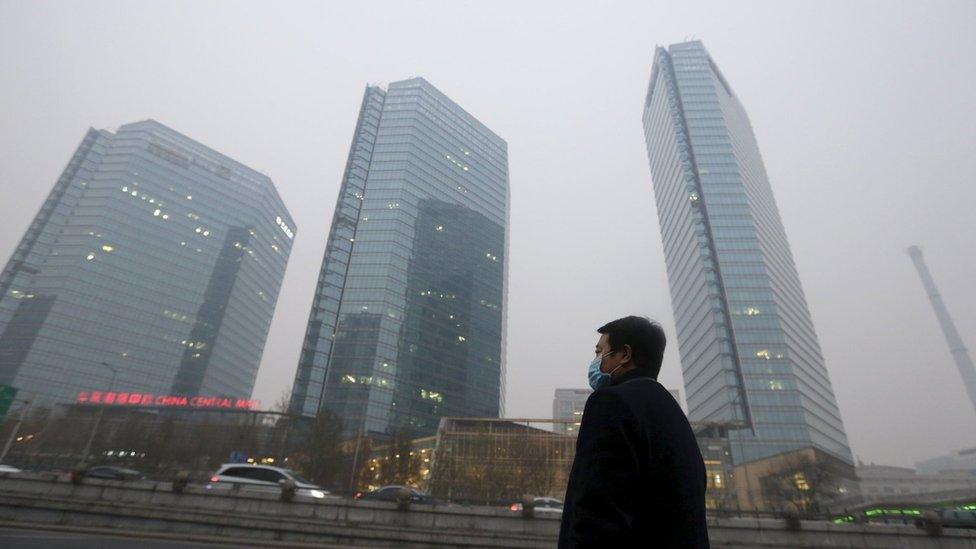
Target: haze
(864,114)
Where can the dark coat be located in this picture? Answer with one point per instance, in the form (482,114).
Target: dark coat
(638,479)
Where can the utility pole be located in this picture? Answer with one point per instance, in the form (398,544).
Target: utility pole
(13,434)
(98,419)
(959,353)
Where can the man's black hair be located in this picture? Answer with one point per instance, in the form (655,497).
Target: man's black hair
(646,340)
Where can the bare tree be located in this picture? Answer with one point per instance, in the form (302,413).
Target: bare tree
(320,458)
(283,402)
(400,464)
(802,481)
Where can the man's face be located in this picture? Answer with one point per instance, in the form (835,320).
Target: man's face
(610,361)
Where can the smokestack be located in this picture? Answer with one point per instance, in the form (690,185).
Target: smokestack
(958,350)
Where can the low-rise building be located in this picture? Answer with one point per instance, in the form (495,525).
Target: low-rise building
(568,404)
(960,460)
(887,482)
(498,460)
(808,479)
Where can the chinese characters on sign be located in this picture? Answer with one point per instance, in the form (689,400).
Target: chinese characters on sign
(173,401)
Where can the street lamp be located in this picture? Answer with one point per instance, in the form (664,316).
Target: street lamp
(98,419)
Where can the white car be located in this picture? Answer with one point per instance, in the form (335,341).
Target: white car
(261,477)
(542,506)
(8,469)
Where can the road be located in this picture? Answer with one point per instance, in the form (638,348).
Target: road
(17,538)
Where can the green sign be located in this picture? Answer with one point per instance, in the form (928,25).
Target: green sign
(7,394)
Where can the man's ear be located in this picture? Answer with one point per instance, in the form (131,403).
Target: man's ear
(628,353)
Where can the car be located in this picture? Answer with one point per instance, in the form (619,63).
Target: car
(957,518)
(8,470)
(542,506)
(111,472)
(261,477)
(389,493)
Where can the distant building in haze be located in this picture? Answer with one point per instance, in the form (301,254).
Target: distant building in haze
(408,319)
(749,352)
(152,268)
(959,460)
(889,483)
(569,404)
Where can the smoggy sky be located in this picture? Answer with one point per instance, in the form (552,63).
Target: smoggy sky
(863,111)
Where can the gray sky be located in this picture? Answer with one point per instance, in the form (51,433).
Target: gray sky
(864,113)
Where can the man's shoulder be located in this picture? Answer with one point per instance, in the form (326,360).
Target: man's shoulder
(642,393)
(644,386)
(605,398)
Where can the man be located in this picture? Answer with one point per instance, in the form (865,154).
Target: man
(638,479)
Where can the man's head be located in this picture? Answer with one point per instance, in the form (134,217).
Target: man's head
(631,342)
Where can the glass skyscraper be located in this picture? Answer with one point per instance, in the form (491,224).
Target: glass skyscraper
(408,320)
(749,353)
(154,257)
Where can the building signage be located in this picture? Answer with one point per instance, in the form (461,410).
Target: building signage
(113,398)
(284,227)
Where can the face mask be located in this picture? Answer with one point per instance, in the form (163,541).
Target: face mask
(597,378)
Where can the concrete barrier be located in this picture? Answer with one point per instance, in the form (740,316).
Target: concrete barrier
(145,506)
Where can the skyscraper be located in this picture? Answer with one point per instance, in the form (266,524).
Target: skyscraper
(749,353)
(408,320)
(152,267)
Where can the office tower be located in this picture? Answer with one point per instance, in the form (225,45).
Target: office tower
(153,267)
(956,347)
(408,319)
(749,353)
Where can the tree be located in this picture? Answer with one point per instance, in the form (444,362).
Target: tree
(400,465)
(283,402)
(538,475)
(802,481)
(320,457)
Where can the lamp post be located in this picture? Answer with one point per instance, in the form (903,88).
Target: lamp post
(98,419)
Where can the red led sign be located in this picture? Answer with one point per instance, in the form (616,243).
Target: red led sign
(169,401)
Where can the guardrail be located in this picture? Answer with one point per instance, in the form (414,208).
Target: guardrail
(147,506)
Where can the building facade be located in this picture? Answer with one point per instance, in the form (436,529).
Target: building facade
(807,479)
(568,404)
(490,461)
(493,461)
(152,268)
(890,483)
(408,319)
(749,353)
(958,460)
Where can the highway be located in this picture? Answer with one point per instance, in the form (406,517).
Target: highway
(22,538)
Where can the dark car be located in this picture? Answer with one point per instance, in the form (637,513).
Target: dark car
(389,493)
(111,472)
(957,518)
